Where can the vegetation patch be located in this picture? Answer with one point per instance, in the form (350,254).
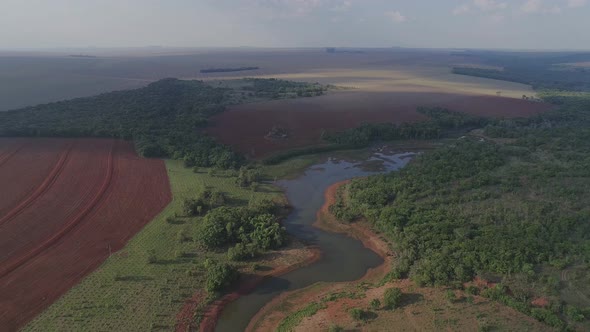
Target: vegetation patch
(510,210)
(289,323)
(164,265)
(164,119)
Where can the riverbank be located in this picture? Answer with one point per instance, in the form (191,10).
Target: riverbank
(273,313)
(422,308)
(360,230)
(278,262)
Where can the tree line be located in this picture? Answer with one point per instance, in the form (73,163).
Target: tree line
(165,119)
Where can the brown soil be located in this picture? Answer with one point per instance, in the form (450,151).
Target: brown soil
(92,196)
(305,119)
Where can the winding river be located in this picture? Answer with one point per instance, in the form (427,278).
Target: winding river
(343,258)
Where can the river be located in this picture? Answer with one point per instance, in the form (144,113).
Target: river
(343,258)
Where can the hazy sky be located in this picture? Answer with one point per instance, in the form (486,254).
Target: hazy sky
(539,24)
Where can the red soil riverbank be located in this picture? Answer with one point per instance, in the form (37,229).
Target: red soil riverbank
(269,318)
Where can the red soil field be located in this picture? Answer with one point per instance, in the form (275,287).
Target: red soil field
(244,126)
(90,196)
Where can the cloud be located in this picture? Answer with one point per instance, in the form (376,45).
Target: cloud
(531,6)
(396,16)
(463,9)
(576,3)
(497,18)
(537,6)
(343,6)
(480,5)
(489,5)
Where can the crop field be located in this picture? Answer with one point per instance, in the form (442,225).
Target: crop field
(245,126)
(130,291)
(376,87)
(66,206)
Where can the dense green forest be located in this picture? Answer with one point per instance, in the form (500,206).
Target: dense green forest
(164,119)
(511,206)
(441,123)
(542,71)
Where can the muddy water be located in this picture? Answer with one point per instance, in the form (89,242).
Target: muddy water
(343,258)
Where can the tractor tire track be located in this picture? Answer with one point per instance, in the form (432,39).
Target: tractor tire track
(39,191)
(6,156)
(69,226)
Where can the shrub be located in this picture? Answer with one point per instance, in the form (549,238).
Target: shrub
(335,328)
(574,313)
(548,317)
(151,257)
(357,313)
(392,298)
(241,252)
(213,233)
(219,275)
(472,290)
(267,233)
(182,236)
(375,304)
(450,296)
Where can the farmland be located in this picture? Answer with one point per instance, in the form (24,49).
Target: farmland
(306,119)
(155,256)
(67,206)
(128,292)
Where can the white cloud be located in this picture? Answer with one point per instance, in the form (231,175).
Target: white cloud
(531,6)
(463,9)
(480,5)
(497,18)
(343,6)
(396,16)
(537,6)
(576,3)
(489,5)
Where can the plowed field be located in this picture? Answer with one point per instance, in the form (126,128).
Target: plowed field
(245,126)
(65,206)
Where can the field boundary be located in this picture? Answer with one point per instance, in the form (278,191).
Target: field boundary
(69,225)
(49,180)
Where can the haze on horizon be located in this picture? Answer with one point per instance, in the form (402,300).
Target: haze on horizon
(515,24)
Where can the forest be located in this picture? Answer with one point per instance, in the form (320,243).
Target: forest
(510,208)
(543,71)
(164,119)
(442,123)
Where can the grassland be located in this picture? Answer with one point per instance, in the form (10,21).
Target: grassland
(399,79)
(127,292)
(421,309)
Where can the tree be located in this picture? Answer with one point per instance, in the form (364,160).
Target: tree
(219,275)
(267,233)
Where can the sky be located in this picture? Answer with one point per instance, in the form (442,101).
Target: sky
(506,24)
